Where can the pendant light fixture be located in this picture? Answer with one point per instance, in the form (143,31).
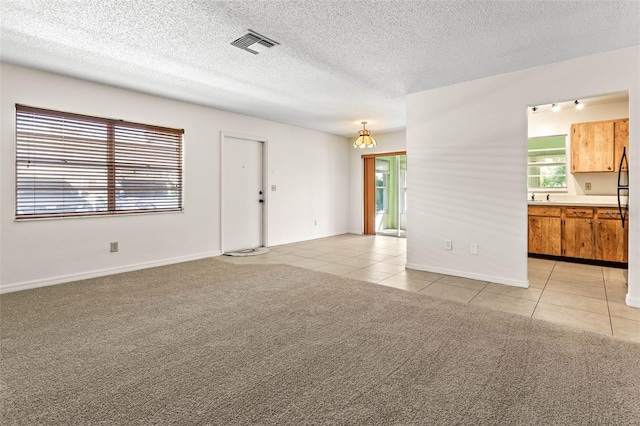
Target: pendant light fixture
(364,139)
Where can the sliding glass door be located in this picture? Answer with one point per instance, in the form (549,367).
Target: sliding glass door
(391,195)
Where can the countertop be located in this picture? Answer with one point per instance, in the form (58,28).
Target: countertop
(573,204)
(573,200)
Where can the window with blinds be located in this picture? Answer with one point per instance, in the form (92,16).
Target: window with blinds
(77,165)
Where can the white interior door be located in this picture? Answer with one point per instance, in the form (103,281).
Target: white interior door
(242,194)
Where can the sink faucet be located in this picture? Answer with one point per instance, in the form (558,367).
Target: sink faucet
(533,196)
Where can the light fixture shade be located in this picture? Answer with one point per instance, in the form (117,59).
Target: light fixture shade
(365,140)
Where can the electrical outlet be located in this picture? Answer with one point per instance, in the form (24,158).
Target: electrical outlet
(587,186)
(474,249)
(114,247)
(315,223)
(273,187)
(448,245)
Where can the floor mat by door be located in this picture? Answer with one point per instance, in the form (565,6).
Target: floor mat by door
(248,252)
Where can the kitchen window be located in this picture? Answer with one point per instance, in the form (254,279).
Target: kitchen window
(77,165)
(547,163)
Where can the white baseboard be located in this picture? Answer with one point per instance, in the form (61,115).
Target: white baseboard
(632,301)
(463,274)
(25,285)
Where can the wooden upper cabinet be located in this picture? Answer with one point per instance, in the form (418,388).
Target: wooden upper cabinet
(621,140)
(592,147)
(597,146)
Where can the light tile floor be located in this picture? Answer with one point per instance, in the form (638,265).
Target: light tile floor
(582,296)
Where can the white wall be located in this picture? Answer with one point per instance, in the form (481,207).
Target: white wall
(467,150)
(310,169)
(386,142)
(548,123)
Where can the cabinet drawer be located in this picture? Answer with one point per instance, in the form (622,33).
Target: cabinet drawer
(544,211)
(578,212)
(608,214)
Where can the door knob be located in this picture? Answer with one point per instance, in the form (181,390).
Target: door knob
(262,201)
(260,192)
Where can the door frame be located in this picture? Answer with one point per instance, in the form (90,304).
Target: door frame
(368,185)
(265,183)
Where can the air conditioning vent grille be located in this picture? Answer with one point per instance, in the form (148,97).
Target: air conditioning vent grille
(253,42)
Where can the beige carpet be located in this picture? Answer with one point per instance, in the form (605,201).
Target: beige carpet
(209,342)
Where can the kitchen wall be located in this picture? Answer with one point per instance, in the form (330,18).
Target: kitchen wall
(309,168)
(546,123)
(466,145)
(386,142)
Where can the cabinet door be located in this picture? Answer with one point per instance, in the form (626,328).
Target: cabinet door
(544,235)
(579,239)
(592,147)
(621,140)
(611,237)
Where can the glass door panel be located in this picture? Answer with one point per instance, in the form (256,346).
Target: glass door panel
(390,193)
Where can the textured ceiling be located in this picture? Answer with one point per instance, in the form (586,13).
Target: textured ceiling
(338,62)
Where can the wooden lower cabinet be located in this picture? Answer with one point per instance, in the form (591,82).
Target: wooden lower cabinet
(612,237)
(578,232)
(545,231)
(578,238)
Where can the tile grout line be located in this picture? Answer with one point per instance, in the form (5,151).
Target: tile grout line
(486,284)
(555,263)
(606,295)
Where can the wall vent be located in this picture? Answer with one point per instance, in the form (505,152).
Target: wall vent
(254,43)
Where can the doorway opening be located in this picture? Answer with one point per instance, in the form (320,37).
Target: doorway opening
(385,198)
(577,183)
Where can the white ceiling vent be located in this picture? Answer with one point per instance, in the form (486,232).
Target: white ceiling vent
(254,42)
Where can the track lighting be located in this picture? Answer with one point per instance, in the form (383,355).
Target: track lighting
(534,109)
(555,107)
(578,105)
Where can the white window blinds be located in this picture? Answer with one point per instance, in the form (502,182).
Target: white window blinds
(76,165)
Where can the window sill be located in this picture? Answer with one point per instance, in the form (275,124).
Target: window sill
(90,216)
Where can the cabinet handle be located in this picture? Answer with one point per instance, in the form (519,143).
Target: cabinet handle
(599,222)
(609,168)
